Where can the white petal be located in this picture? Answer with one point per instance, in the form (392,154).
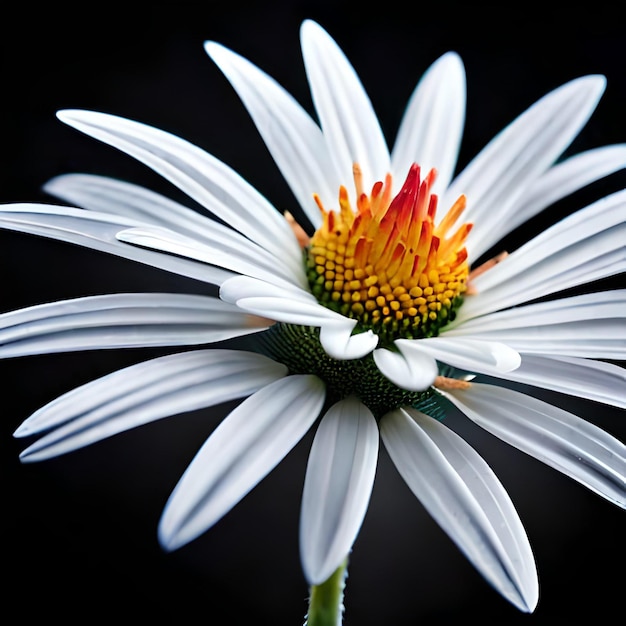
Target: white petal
(240,287)
(165,240)
(432,125)
(599,304)
(200,175)
(589,325)
(559,258)
(520,153)
(339,342)
(348,120)
(292,311)
(466,499)
(290,134)
(241,451)
(121,321)
(97,231)
(409,368)
(294,306)
(558,182)
(115,197)
(563,441)
(474,355)
(143,393)
(337,487)
(583,378)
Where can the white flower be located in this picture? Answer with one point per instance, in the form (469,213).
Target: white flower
(377,320)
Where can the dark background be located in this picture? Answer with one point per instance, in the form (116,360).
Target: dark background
(80,531)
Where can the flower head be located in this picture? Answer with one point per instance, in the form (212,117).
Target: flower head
(372,308)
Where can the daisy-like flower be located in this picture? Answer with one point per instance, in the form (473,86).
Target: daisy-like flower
(370,311)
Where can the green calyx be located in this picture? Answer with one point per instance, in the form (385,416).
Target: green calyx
(299,348)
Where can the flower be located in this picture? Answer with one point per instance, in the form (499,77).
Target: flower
(372,310)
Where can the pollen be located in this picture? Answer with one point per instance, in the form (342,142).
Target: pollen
(387,262)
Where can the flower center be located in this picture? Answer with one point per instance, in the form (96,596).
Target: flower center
(387,264)
(299,348)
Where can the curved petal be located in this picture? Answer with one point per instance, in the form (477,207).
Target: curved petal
(135,320)
(240,287)
(593,339)
(241,451)
(292,311)
(583,378)
(350,125)
(292,306)
(594,305)
(465,498)
(408,368)
(230,257)
(474,355)
(144,393)
(589,325)
(432,126)
(556,183)
(115,197)
(201,176)
(563,441)
(585,246)
(337,487)
(521,152)
(294,140)
(98,231)
(339,342)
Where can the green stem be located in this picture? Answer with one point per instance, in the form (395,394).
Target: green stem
(326,600)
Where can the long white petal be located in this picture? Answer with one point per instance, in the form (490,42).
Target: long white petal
(559,258)
(241,451)
(98,231)
(432,125)
(293,138)
(200,175)
(560,439)
(134,320)
(408,368)
(116,197)
(475,355)
(466,499)
(350,125)
(556,183)
(143,393)
(232,258)
(292,305)
(602,215)
(583,378)
(239,287)
(501,172)
(295,306)
(337,487)
(598,304)
(590,325)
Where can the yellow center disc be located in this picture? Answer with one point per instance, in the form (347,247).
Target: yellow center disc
(388,264)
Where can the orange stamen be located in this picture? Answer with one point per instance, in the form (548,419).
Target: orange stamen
(441,382)
(301,236)
(385,261)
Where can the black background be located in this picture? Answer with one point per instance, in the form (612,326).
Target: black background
(80,531)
